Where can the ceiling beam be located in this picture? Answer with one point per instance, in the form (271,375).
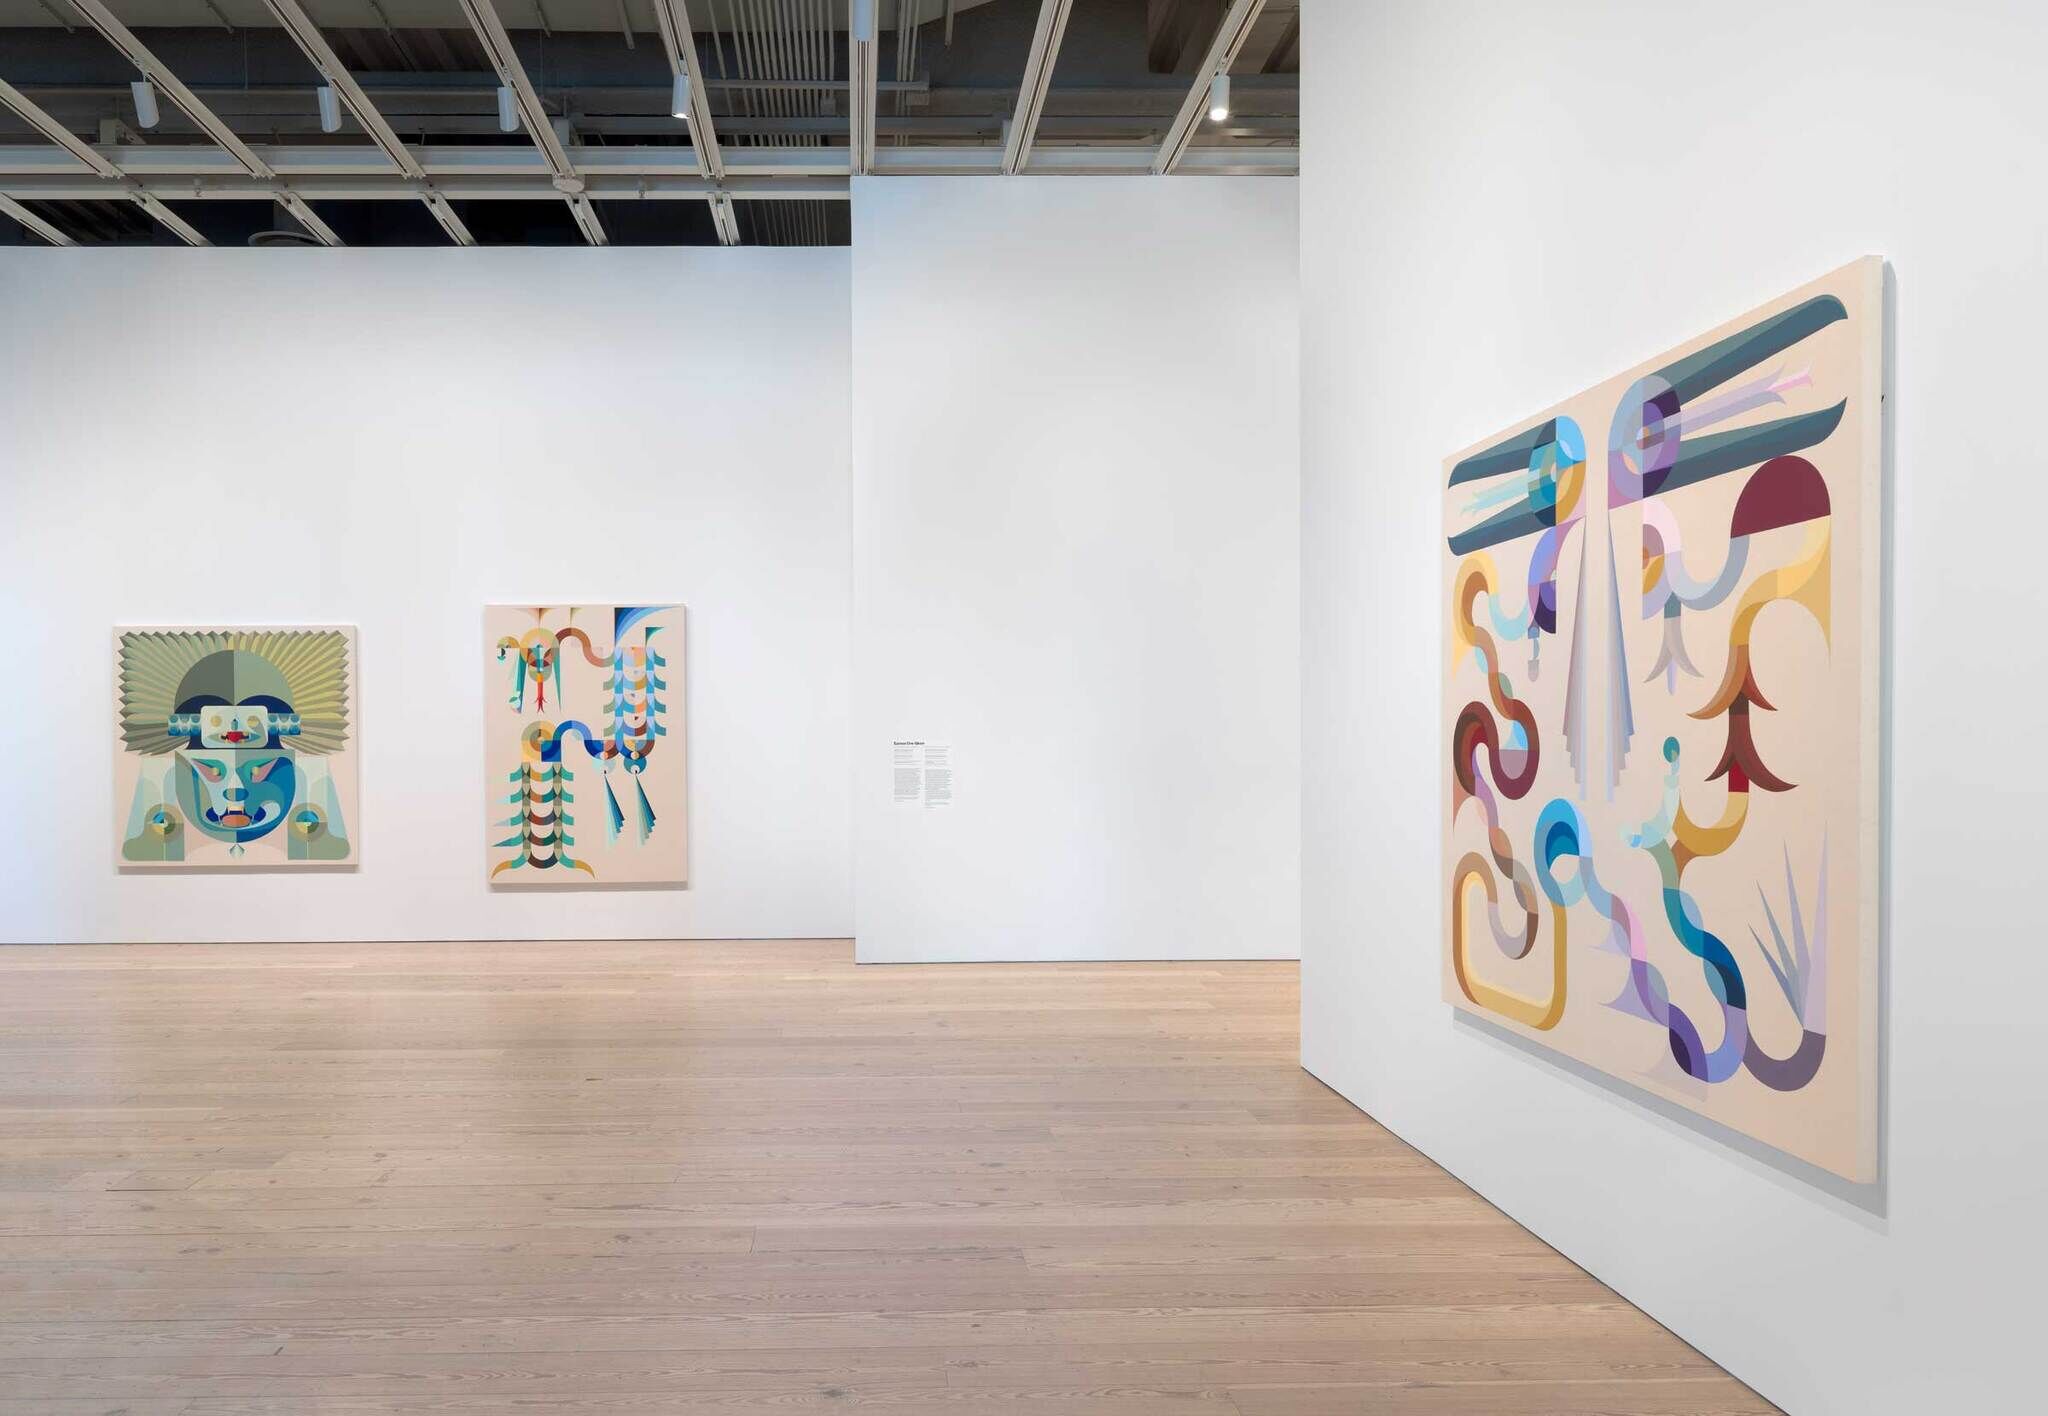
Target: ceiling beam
(45,123)
(183,229)
(679,37)
(756,173)
(680,40)
(122,38)
(106,169)
(490,32)
(520,160)
(725,218)
(35,223)
(137,53)
(481,186)
(1089,161)
(295,204)
(306,34)
(1038,66)
(862,31)
(1230,37)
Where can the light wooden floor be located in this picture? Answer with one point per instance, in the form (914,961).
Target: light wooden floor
(729,1178)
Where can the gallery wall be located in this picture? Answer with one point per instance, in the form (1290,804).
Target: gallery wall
(392,439)
(1502,206)
(1075,529)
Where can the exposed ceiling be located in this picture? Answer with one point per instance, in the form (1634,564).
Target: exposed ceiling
(545,121)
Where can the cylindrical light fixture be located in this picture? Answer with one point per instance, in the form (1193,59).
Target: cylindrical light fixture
(864,21)
(679,96)
(146,111)
(508,111)
(330,108)
(1219,98)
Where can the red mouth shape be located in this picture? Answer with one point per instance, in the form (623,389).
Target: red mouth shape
(236,736)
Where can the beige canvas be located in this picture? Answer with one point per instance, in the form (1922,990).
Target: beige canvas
(235,748)
(583,731)
(1661,703)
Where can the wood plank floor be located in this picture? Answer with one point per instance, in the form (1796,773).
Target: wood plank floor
(730,1178)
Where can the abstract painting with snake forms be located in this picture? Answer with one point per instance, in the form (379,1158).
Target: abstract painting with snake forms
(1661,708)
(236,748)
(584,760)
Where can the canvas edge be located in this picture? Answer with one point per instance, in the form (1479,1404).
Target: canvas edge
(1868,272)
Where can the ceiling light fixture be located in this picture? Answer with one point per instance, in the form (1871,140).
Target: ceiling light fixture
(679,97)
(864,21)
(508,110)
(330,108)
(1219,98)
(146,111)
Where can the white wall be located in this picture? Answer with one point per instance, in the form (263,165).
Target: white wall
(430,431)
(1501,205)
(1075,516)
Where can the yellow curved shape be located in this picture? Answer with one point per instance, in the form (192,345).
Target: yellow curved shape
(1465,633)
(1804,581)
(1693,840)
(536,737)
(1570,483)
(1538,1013)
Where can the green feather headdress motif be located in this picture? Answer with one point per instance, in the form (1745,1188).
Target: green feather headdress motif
(312,662)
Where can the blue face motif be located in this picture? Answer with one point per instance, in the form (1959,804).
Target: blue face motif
(236,794)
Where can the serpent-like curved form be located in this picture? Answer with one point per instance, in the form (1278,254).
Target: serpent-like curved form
(1513,769)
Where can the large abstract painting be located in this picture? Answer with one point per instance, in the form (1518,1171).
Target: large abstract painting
(1661,704)
(236,747)
(584,761)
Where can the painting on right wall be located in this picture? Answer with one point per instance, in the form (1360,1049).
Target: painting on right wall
(1661,696)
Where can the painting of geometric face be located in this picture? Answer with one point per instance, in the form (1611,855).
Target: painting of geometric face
(1660,701)
(236,747)
(583,730)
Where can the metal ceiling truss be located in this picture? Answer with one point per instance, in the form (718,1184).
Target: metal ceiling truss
(555,167)
(1235,30)
(756,169)
(301,27)
(186,232)
(105,169)
(325,173)
(679,38)
(566,180)
(1045,50)
(861,55)
(34,223)
(96,14)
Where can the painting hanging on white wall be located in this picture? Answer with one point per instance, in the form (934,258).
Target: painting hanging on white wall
(1661,703)
(584,745)
(235,747)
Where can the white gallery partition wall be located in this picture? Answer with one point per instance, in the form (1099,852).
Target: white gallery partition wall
(1075,530)
(1502,205)
(1075,504)
(393,439)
